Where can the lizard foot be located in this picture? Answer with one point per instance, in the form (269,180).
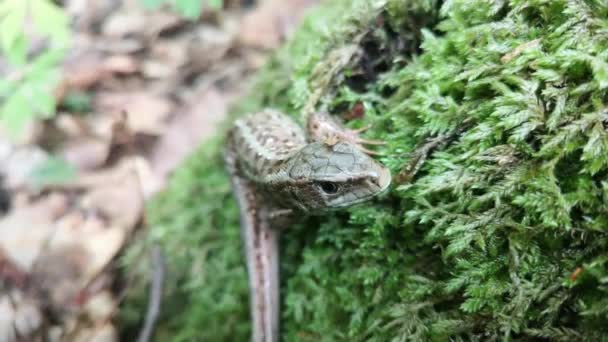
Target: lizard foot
(323,127)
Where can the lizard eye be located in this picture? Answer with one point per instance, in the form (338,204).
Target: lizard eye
(329,187)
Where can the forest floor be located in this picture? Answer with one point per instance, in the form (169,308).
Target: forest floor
(140,90)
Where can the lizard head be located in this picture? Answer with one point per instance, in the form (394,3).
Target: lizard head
(326,176)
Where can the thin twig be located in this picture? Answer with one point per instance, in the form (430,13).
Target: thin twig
(156,292)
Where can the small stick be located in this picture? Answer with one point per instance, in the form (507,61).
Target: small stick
(156,292)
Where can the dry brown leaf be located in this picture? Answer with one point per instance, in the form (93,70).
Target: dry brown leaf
(88,13)
(121,202)
(86,66)
(57,276)
(82,69)
(70,125)
(7,323)
(25,230)
(150,182)
(146,112)
(100,307)
(208,45)
(118,46)
(17,163)
(19,317)
(85,153)
(159,22)
(28,316)
(186,131)
(104,333)
(272,22)
(80,248)
(166,57)
(121,64)
(126,23)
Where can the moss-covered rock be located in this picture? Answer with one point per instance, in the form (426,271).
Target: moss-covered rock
(495,117)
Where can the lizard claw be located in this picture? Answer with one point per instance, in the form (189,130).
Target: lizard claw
(323,127)
(362,129)
(370,152)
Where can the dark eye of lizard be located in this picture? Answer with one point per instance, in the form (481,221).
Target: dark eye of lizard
(329,187)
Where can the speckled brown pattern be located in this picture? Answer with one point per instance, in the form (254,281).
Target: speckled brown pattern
(273,166)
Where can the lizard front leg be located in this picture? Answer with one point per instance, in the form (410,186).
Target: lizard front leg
(262,254)
(325,128)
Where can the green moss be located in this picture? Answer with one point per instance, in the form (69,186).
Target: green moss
(502,234)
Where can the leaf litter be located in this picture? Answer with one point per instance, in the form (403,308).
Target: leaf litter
(139,91)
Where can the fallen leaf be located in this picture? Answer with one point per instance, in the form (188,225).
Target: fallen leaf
(80,248)
(70,125)
(85,153)
(119,46)
(160,22)
(100,307)
(208,45)
(116,194)
(20,318)
(19,163)
(150,182)
(86,14)
(166,57)
(28,316)
(146,112)
(104,333)
(25,230)
(272,22)
(58,275)
(82,69)
(7,323)
(126,23)
(121,64)
(187,130)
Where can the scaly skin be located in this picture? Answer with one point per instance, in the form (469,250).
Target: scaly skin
(272,166)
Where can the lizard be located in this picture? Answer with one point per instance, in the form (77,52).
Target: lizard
(276,169)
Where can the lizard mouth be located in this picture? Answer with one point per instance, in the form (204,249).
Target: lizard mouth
(376,185)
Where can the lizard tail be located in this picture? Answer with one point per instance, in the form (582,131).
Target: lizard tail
(263,267)
(261,252)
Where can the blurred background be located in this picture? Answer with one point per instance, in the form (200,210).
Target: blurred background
(100,100)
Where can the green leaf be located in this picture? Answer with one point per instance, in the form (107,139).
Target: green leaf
(77,102)
(189,8)
(152,4)
(18,54)
(216,4)
(12,18)
(45,62)
(50,20)
(52,171)
(15,113)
